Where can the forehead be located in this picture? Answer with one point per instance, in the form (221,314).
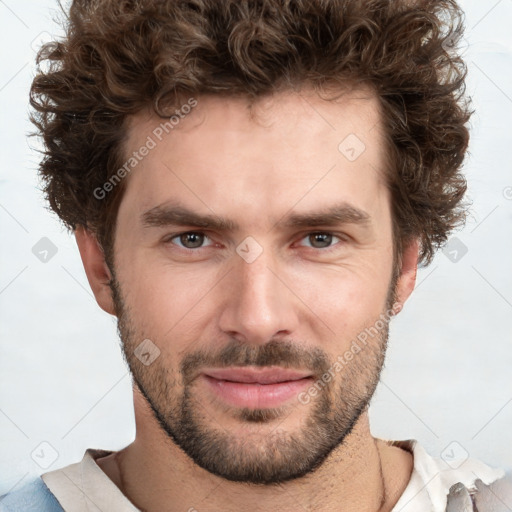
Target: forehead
(253,158)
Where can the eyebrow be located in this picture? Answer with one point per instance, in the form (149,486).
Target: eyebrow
(177,215)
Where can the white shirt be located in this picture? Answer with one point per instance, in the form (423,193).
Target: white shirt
(84,487)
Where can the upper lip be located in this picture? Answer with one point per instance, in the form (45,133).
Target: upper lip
(266,375)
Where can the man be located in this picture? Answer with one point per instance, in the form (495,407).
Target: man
(252,185)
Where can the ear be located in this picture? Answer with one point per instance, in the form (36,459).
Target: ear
(407,277)
(98,273)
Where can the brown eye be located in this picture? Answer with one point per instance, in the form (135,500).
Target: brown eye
(190,240)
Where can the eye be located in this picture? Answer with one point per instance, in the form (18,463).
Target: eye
(320,240)
(189,240)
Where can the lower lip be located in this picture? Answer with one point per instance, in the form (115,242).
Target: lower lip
(256,396)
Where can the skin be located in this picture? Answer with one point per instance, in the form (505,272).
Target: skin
(254,167)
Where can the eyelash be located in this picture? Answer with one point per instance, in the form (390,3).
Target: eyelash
(341,238)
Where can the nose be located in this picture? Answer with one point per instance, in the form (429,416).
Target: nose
(257,303)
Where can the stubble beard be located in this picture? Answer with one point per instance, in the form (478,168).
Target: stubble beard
(268,454)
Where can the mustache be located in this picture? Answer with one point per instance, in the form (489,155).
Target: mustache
(285,354)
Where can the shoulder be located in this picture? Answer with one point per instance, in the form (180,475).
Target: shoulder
(493,497)
(34,496)
(451,484)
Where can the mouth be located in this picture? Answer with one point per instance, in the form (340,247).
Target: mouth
(256,388)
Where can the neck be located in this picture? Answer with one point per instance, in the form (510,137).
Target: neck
(361,474)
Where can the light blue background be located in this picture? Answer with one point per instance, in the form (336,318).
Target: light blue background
(448,373)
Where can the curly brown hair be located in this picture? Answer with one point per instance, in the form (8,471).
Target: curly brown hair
(121,56)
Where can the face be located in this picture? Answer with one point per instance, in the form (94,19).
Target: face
(253,255)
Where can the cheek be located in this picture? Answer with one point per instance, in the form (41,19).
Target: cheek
(345,298)
(166,300)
